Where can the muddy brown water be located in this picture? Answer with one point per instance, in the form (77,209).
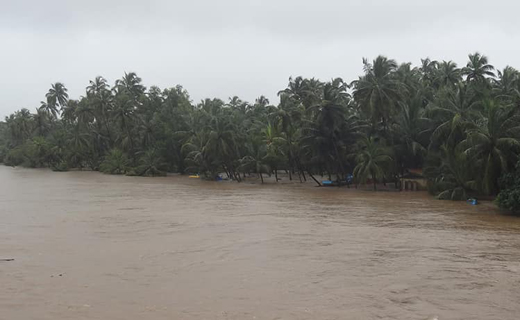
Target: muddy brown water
(94,246)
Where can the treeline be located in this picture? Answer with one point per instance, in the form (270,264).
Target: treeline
(461,125)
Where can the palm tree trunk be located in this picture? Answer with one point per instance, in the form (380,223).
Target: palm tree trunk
(261,177)
(226,170)
(234,173)
(105,120)
(340,164)
(300,169)
(373,179)
(180,164)
(303,174)
(310,174)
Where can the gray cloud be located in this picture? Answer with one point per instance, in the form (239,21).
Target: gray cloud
(235,47)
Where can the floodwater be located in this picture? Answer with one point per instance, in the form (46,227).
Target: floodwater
(94,246)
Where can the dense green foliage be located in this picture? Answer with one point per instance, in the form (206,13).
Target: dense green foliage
(509,196)
(462,125)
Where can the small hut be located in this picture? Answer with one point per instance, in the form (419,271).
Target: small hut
(413,180)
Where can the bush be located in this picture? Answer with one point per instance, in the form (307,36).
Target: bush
(33,153)
(151,164)
(509,196)
(61,166)
(116,162)
(14,157)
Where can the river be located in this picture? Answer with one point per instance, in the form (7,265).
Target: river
(92,246)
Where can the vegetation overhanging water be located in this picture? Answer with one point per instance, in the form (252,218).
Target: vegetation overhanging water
(461,126)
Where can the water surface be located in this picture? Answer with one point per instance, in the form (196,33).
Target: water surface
(94,246)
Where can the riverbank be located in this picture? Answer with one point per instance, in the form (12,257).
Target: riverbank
(285,179)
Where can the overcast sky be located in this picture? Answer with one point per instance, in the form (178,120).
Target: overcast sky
(222,48)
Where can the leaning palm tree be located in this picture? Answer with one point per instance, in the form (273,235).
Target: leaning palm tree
(493,144)
(372,159)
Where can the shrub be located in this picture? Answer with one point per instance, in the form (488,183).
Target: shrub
(509,196)
(116,162)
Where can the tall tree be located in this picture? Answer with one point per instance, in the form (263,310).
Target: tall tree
(378,92)
(57,97)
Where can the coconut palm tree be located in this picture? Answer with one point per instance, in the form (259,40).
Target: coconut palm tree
(22,125)
(256,160)
(493,143)
(507,86)
(454,110)
(295,89)
(102,104)
(200,156)
(372,160)
(262,101)
(450,174)
(222,142)
(42,122)
(96,86)
(130,84)
(429,70)
(123,114)
(448,74)
(324,131)
(411,132)
(274,143)
(50,109)
(57,97)
(116,162)
(69,114)
(151,164)
(478,69)
(378,91)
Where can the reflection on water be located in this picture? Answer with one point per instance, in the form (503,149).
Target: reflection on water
(177,248)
